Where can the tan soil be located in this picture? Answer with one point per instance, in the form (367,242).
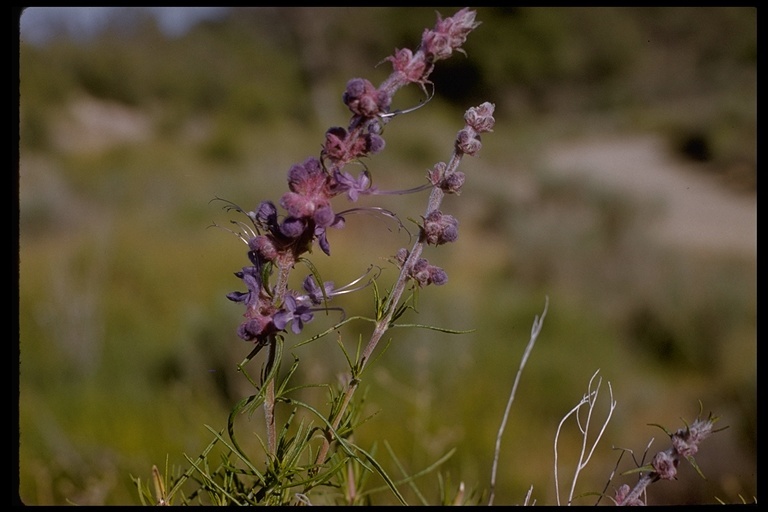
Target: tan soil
(697,211)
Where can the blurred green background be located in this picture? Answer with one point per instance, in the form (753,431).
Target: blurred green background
(127,342)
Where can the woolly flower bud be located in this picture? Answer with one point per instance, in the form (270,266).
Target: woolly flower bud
(665,465)
(440,229)
(307,177)
(621,494)
(467,143)
(266,213)
(435,175)
(448,35)
(264,247)
(437,276)
(452,184)
(364,99)
(621,497)
(342,148)
(422,272)
(401,256)
(293,227)
(686,440)
(422,276)
(335,147)
(411,68)
(480,118)
(254,328)
(373,143)
(437,45)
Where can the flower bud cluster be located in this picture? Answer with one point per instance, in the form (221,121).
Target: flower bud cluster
(479,120)
(364,100)
(440,228)
(436,44)
(422,272)
(622,497)
(450,183)
(448,35)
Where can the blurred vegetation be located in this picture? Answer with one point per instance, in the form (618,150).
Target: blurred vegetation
(128,345)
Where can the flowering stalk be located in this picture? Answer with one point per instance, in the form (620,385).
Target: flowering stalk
(276,243)
(438,229)
(685,444)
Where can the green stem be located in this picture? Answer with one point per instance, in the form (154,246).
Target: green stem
(284,270)
(435,199)
(269,398)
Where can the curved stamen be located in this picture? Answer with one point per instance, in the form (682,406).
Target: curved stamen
(376,209)
(429,95)
(238,235)
(335,308)
(347,288)
(246,228)
(401,192)
(230,206)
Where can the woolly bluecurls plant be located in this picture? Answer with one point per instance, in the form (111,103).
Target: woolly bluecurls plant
(312,461)
(279,236)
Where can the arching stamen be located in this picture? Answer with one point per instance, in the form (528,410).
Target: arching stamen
(238,235)
(335,308)
(246,228)
(230,206)
(376,209)
(429,95)
(348,288)
(401,192)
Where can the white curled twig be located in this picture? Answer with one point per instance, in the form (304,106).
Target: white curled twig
(589,399)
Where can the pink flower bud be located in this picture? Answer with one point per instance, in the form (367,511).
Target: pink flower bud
(481,118)
(448,35)
(468,143)
(665,465)
(410,67)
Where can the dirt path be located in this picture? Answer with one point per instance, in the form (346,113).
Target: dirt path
(698,212)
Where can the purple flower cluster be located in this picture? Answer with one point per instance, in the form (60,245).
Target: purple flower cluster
(281,241)
(277,242)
